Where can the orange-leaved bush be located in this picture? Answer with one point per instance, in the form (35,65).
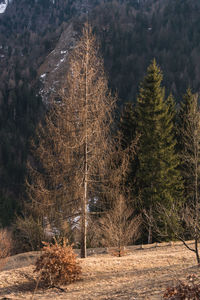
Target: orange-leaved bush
(5,243)
(6,246)
(182,291)
(58,264)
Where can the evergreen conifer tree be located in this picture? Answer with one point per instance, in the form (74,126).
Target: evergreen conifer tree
(127,125)
(189,149)
(129,137)
(189,130)
(157,176)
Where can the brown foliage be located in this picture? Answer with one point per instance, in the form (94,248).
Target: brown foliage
(118,227)
(69,155)
(188,290)
(5,246)
(119,252)
(5,243)
(58,265)
(28,234)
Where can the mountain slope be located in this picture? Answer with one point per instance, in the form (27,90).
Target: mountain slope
(36,37)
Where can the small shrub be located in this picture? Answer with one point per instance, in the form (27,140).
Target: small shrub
(5,246)
(58,264)
(28,234)
(182,291)
(117,251)
(5,243)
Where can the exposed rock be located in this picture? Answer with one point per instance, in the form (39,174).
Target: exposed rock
(52,72)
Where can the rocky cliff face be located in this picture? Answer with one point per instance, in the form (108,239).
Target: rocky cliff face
(34,41)
(3,6)
(52,72)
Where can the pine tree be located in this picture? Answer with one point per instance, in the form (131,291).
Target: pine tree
(189,130)
(129,137)
(157,176)
(171,159)
(189,149)
(127,125)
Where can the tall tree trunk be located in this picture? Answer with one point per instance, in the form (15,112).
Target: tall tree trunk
(84,206)
(150,227)
(84,218)
(196,198)
(197,250)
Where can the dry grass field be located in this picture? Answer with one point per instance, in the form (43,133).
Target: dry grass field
(141,274)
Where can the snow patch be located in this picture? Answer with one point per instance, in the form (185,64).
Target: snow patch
(58,64)
(63,52)
(43,75)
(3,6)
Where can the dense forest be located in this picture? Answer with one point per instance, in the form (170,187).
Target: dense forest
(130,35)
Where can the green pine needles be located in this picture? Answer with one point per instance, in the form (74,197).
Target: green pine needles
(158,177)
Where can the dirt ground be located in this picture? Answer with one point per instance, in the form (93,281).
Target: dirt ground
(141,274)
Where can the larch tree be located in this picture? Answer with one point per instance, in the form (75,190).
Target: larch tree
(119,226)
(74,144)
(158,179)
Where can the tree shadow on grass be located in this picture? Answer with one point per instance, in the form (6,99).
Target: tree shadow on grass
(32,286)
(15,288)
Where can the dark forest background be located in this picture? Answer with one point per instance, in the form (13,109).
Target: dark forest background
(131,34)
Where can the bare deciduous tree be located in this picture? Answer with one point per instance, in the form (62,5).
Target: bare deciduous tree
(119,227)
(182,223)
(73,147)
